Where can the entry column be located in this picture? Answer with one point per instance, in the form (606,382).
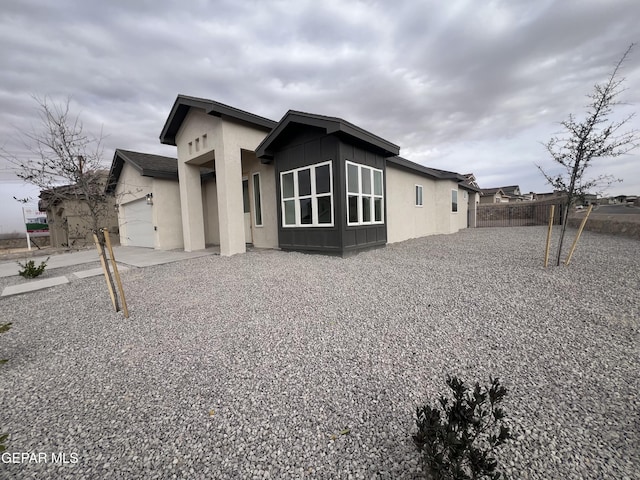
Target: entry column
(191,206)
(228,164)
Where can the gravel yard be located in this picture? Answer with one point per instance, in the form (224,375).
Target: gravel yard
(252,366)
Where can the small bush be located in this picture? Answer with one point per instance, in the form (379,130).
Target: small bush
(29,269)
(458,436)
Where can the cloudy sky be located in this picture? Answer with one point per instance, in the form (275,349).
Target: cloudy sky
(463,85)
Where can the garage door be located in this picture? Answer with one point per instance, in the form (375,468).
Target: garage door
(138,224)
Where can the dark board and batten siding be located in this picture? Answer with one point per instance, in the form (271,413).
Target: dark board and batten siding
(310,147)
(362,236)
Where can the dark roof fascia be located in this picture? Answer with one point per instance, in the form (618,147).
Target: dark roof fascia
(183,103)
(471,188)
(120,157)
(413,167)
(431,172)
(330,125)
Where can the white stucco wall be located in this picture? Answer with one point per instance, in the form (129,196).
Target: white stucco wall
(131,186)
(167,214)
(202,139)
(405,220)
(165,210)
(265,236)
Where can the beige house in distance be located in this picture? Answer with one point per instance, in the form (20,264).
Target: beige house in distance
(69,218)
(308,183)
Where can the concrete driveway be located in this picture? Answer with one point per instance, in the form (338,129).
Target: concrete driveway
(133,256)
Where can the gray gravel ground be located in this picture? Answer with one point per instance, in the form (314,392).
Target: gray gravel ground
(252,366)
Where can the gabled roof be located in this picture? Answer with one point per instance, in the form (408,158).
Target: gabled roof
(146,164)
(511,190)
(431,172)
(330,125)
(95,179)
(491,191)
(182,105)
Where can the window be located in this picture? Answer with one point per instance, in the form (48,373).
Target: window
(418,195)
(245,195)
(364,195)
(257,200)
(307,198)
(454,200)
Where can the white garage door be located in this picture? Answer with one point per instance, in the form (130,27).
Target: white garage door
(138,224)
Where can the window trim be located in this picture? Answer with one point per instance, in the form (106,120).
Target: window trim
(454,190)
(259,198)
(419,188)
(360,195)
(313,196)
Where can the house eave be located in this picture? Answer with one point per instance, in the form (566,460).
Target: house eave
(184,103)
(331,125)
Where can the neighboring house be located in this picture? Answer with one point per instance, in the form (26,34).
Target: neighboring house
(471,180)
(493,195)
(512,192)
(507,194)
(308,183)
(550,195)
(69,217)
(147,193)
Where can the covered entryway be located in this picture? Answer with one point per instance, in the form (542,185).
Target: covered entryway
(138,224)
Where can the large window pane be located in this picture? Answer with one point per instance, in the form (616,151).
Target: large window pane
(366,181)
(366,209)
(304,182)
(353,209)
(245,196)
(323,179)
(377,182)
(377,206)
(287,185)
(306,215)
(290,212)
(324,209)
(256,199)
(352,179)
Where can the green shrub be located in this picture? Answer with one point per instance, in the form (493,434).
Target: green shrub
(29,269)
(458,436)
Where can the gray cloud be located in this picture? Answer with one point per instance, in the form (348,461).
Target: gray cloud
(462,85)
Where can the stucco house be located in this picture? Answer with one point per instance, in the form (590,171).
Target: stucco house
(308,183)
(69,216)
(493,195)
(508,194)
(147,196)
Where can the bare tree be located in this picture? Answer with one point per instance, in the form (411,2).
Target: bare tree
(65,162)
(594,137)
